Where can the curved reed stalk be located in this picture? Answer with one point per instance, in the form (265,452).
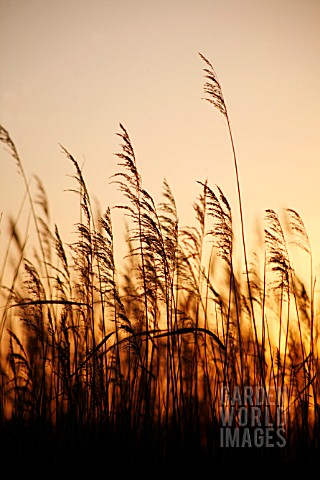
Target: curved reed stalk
(213,90)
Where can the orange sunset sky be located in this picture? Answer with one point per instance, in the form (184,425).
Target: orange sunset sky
(72,70)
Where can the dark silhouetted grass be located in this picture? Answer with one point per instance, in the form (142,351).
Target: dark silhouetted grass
(107,362)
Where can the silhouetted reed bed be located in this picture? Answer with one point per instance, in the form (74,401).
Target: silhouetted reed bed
(140,365)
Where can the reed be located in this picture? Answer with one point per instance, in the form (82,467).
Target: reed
(156,361)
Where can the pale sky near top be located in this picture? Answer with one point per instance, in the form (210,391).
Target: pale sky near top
(72,70)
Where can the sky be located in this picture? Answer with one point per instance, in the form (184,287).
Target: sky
(73,70)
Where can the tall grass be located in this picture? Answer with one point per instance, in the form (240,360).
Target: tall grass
(127,362)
